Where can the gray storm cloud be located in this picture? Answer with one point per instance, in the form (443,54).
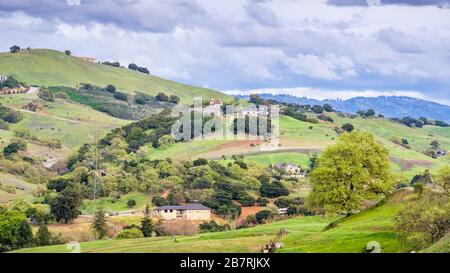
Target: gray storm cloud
(245,44)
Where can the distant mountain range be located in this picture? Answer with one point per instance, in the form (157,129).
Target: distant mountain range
(389,106)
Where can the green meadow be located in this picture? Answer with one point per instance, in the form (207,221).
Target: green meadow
(305,234)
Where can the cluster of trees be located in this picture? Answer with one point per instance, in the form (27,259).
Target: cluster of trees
(10,82)
(114,64)
(15,146)
(162,97)
(116,94)
(10,115)
(435,150)
(135,67)
(213,226)
(426,219)
(368,113)
(123,157)
(401,141)
(420,122)
(46,95)
(16,232)
(109,100)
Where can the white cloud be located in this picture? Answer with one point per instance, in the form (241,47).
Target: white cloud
(247,44)
(329,67)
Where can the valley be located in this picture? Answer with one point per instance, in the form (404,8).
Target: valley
(77,138)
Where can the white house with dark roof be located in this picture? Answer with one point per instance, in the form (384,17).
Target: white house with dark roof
(191,212)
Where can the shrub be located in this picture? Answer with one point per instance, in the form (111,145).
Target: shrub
(142,98)
(273,190)
(262,216)
(162,97)
(159,201)
(110,88)
(174,99)
(131,233)
(10,115)
(14,147)
(201,183)
(284,202)
(131,203)
(4,125)
(212,226)
(45,95)
(348,127)
(120,96)
(246,200)
(325,118)
(261,201)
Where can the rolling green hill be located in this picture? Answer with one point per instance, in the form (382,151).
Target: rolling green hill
(305,234)
(45,67)
(441,246)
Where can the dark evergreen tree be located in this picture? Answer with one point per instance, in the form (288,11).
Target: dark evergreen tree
(146,223)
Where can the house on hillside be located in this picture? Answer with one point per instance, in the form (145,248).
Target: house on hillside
(214,108)
(255,112)
(88,59)
(191,212)
(291,170)
(214,102)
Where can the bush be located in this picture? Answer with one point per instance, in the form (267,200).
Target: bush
(45,95)
(4,125)
(162,97)
(212,226)
(273,190)
(246,200)
(262,216)
(142,98)
(131,203)
(202,183)
(174,99)
(348,127)
(261,201)
(284,202)
(10,82)
(110,88)
(14,147)
(10,115)
(159,201)
(325,118)
(120,96)
(131,233)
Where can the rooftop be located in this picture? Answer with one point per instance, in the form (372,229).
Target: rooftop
(186,207)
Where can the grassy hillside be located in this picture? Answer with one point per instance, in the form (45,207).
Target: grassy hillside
(14,187)
(305,234)
(53,68)
(442,246)
(299,138)
(69,122)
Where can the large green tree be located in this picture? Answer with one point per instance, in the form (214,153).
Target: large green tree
(65,205)
(15,231)
(355,169)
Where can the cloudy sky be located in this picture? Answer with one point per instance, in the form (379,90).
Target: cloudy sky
(319,48)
